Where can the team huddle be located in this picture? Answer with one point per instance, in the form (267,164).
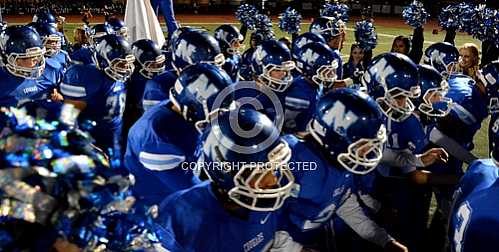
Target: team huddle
(280,147)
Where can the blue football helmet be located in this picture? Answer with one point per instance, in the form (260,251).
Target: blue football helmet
(149,57)
(489,76)
(239,159)
(318,63)
(22,42)
(229,39)
(348,124)
(97,32)
(114,57)
(196,90)
(302,40)
(443,56)
(50,37)
(45,17)
(195,46)
(328,27)
(270,56)
(433,85)
(118,27)
(391,76)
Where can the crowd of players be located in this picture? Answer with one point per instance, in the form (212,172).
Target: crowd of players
(380,135)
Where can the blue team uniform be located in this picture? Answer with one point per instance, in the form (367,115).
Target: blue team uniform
(475,222)
(339,71)
(158,89)
(195,220)
(469,107)
(394,190)
(105,99)
(321,193)
(16,90)
(250,91)
(232,65)
(246,72)
(82,55)
(158,143)
(299,104)
(52,74)
(409,136)
(480,175)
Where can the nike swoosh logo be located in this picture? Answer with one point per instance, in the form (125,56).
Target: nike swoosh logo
(262,221)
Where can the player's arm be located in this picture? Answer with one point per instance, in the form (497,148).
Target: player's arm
(166,162)
(353,215)
(74,90)
(152,95)
(405,158)
(451,146)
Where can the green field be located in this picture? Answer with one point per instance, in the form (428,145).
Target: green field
(385,39)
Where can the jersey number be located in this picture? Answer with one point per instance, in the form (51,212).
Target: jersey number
(115,105)
(463,215)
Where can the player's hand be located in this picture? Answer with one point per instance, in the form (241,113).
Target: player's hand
(434,155)
(395,246)
(56,96)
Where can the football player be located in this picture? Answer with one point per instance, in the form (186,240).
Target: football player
(230,41)
(99,91)
(489,75)
(301,41)
(238,208)
(165,137)
(56,60)
(24,62)
(346,139)
(149,63)
(318,65)
(473,222)
(118,27)
(84,55)
(333,31)
(272,66)
(189,46)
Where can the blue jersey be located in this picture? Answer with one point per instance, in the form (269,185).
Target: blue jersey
(480,175)
(246,71)
(475,222)
(52,74)
(159,143)
(158,89)
(63,58)
(105,99)
(249,93)
(322,189)
(82,55)
(409,136)
(195,220)
(299,104)
(16,90)
(135,90)
(469,106)
(232,65)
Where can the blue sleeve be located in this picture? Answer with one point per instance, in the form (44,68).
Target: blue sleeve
(165,161)
(153,94)
(167,223)
(77,86)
